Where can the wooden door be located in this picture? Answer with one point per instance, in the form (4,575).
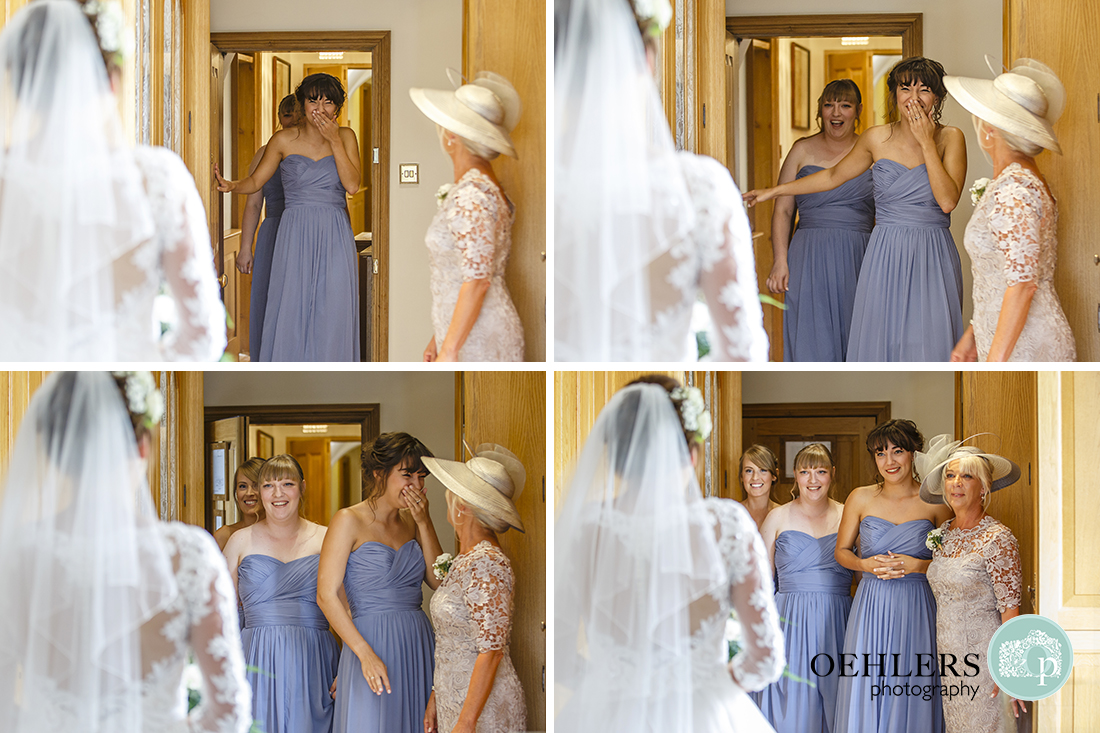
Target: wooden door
(1056,32)
(1068,540)
(854,65)
(501,38)
(226,448)
(313,455)
(842,426)
(763,172)
(509,408)
(215,214)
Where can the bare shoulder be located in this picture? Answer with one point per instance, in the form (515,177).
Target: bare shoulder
(222,535)
(775,521)
(239,543)
(348,135)
(861,496)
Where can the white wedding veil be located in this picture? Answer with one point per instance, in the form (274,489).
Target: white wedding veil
(72,202)
(637,569)
(621,203)
(82,566)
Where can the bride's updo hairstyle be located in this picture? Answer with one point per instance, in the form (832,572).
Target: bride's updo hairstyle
(387,453)
(66,421)
(902,433)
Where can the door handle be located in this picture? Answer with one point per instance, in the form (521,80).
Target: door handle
(223,280)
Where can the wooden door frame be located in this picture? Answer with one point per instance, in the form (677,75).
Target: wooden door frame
(366,414)
(879,410)
(377,43)
(910,26)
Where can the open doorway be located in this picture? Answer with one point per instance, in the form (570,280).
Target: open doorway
(776,67)
(251,73)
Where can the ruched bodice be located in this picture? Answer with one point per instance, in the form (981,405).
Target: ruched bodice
(275,593)
(380,579)
(848,206)
(879,536)
(903,197)
(806,564)
(274,199)
(308,182)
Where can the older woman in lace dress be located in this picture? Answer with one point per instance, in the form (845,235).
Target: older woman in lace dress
(975,576)
(1011,237)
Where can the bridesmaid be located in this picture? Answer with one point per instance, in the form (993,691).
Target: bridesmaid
(833,228)
(893,611)
(287,645)
(813,596)
(379,552)
(759,472)
(246,492)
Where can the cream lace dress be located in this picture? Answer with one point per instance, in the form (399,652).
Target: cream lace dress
(472,614)
(469,239)
(975,576)
(1011,239)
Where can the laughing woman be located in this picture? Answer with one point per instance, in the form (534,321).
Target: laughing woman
(380,552)
(894,612)
(287,645)
(812,596)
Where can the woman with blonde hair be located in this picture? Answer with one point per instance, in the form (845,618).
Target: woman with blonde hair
(813,595)
(246,493)
(759,472)
(290,653)
(1012,236)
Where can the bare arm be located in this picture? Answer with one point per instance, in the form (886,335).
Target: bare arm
(346,153)
(855,163)
(274,153)
(234,553)
(425,532)
(769,530)
(783,222)
(946,175)
(250,219)
(470,297)
(481,684)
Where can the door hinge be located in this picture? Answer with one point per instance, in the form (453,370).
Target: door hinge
(376,155)
(376,267)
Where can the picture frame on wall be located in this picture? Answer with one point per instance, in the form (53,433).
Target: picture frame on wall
(265,445)
(280,80)
(800,87)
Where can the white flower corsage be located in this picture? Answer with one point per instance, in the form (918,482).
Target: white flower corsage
(442,565)
(142,396)
(693,411)
(934,540)
(656,13)
(978,190)
(441,194)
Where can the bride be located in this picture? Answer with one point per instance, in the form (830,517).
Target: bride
(90,227)
(640,230)
(100,603)
(646,574)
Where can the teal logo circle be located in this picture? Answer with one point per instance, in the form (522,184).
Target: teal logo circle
(1030,657)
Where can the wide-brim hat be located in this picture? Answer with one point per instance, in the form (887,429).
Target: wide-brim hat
(490,481)
(1025,101)
(942,450)
(473,112)
(499,86)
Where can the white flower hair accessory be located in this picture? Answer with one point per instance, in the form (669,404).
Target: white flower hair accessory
(693,411)
(657,14)
(978,190)
(441,194)
(142,396)
(110,27)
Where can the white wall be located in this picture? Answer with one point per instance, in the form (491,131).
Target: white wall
(427,38)
(958,35)
(926,398)
(419,403)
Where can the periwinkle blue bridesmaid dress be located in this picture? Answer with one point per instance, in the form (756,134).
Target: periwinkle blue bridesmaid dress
(290,653)
(261,261)
(383,586)
(891,617)
(813,600)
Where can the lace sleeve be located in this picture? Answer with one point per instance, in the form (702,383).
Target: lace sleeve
(1015,215)
(487,592)
(761,659)
(186,260)
(728,276)
(215,638)
(1002,561)
(471,220)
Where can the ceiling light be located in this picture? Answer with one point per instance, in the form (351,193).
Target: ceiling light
(330,55)
(315,428)
(855,40)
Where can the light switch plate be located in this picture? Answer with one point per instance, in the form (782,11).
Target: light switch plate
(409,172)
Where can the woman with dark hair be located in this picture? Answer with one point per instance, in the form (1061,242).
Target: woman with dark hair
(81,265)
(377,554)
(246,493)
(894,612)
(827,249)
(646,574)
(290,653)
(908,302)
(312,311)
(271,197)
(101,604)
